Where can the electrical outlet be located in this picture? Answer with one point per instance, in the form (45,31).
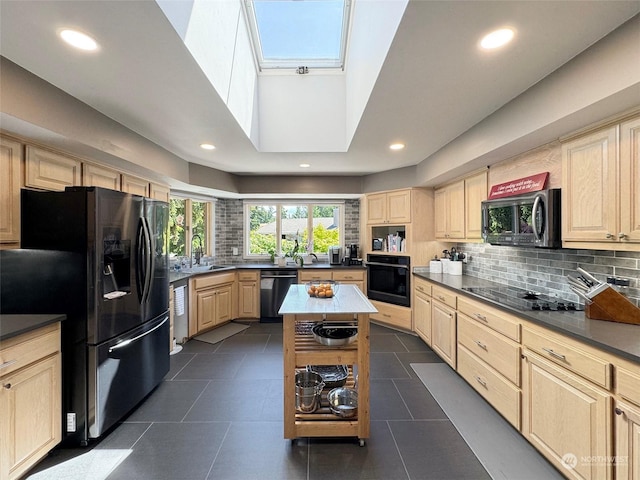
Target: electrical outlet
(71,422)
(235,251)
(466,259)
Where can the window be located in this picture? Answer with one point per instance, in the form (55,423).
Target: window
(294,33)
(274,228)
(188,218)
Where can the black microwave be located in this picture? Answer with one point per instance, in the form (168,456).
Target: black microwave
(531,219)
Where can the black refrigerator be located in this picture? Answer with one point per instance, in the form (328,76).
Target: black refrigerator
(115,282)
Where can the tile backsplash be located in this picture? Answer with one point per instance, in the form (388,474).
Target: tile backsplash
(542,269)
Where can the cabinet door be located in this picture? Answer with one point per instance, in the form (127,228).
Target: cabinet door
(50,171)
(455,212)
(224,306)
(10,164)
(475,191)
(627,434)
(94,176)
(440,213)
(443,332)
(206,309)
(377,208)
(399,206)
(249,300)
(630,181)
(589,200)
(135,185)
(30,408)
(422,317)
(159,192)
(566,418)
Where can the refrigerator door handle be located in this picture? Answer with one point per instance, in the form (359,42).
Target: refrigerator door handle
(148,264)
(131,340)
(144,267)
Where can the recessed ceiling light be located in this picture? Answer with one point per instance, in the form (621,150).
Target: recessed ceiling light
(305,165)
(78,39)
(497,38)
(207,146)
(396,146)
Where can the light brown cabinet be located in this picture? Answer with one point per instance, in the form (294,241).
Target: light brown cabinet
(159,192)
(248,294)
(449,212)
(212,298)
(393,315)
(422,306)
(443,326)
(354,277)
(97,176)
(600,188)
(475,192)
(566,418)
(627,441)
(392,207)
(10,183)
(30,399)
(135,185)
(48,170)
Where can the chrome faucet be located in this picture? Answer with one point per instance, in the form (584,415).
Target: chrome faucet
(198,252)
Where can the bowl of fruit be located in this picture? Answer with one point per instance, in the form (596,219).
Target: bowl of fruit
(323,289)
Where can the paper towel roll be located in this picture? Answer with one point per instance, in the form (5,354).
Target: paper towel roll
(178,300)
(445,264)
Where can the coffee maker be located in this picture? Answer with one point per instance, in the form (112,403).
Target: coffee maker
(334,255)
(352,258)
(353,251)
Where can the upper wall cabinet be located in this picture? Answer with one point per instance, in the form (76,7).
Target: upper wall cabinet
(96,176)
(159,192)
(51,171)
(600,188)
(135,185)
(450,211)
(10,165)
(475,192)
(389,207)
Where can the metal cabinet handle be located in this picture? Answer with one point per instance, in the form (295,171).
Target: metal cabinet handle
(441,298)
(481,317)
(618,411)
(621,235)
(420,288)
(7,386)
(609,235)
(480,344)
(386,315)
(481,381)
(6,364)
(554,354)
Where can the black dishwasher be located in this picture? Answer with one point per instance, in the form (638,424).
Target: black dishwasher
(274,285)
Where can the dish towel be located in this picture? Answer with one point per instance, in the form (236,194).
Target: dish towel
(178,300)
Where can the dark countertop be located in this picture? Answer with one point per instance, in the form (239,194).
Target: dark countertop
(175,276)
(621,339)
(13,325)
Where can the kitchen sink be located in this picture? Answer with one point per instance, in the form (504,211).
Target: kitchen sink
(202,268)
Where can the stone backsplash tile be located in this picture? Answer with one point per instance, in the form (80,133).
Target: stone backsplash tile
(546,270)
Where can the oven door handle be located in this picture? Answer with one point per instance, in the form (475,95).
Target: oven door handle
(378,264)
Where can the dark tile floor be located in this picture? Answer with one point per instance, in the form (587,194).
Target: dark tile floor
(218,415)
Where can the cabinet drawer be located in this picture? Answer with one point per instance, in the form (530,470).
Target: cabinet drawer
(349,276)
(20,351)
(491,317)
(501,394)
(248,275)
(628,385)
(392,314)
(445,296)
(560,352)
(421,286)
(206,281)
(315,275)
(498,352)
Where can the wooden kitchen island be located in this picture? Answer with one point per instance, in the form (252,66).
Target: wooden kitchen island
(300,349)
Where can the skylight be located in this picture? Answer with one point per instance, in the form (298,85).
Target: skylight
(298,33)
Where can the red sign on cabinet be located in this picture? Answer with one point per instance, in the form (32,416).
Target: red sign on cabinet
(529,184)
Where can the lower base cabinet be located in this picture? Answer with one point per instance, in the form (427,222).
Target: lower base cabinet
(443,332)
(30,400)
(567,419)
(627,438)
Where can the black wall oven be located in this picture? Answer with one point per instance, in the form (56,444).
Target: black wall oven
(389,279)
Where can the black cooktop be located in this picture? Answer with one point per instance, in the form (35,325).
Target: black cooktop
(521,299)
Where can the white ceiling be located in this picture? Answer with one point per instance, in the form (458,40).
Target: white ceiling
(434,84)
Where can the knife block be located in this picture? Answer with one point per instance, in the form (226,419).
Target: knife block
(611,306)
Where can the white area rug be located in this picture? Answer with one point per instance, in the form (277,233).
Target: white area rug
(503,452)
(218,334)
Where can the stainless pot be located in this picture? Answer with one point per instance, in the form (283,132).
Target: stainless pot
(334,336)
(343,401)
(309,387)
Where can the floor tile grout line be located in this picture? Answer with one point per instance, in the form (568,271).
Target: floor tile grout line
(402,398)
(395,442)
(215,457)
(195,401)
